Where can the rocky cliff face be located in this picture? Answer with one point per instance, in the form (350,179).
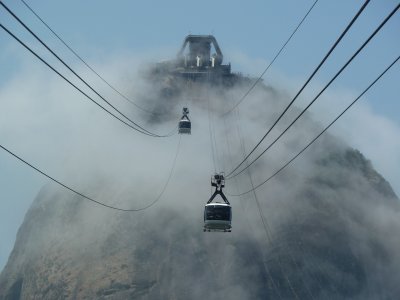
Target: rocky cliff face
(332,224)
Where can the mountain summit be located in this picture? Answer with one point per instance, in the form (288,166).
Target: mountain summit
(330,221)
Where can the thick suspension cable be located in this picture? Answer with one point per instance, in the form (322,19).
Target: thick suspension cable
(90,198)
(321,133)
(79,77)
(271,63)
(303,87)
(68,81)
(325,87)
(85,63)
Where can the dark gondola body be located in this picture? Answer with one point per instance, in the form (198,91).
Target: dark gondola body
(217,217)
(185,126)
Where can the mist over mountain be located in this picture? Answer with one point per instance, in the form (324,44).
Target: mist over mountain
(333,221)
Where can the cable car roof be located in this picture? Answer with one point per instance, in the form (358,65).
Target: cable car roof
(217,204)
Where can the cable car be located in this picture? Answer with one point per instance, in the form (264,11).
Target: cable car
(185,126)
(218,216)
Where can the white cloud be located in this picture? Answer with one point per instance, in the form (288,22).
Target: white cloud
(56,128)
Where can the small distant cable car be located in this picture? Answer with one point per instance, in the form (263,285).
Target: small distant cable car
(185,126)
(218,216)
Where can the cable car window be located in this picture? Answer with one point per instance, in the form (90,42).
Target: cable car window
(218,213)
(184,125)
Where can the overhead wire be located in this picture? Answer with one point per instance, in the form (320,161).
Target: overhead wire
(323,89)
(90,198)
(68,81)
(85,63)
(321,133)
(65,64)
(272,61)
(303,87)
(253,190)
(142,129)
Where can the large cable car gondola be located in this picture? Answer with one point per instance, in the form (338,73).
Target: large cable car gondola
(218,216)
(185,125)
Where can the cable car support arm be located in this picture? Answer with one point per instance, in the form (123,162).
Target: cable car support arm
(218,180)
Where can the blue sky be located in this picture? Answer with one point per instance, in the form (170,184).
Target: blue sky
(249,34)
